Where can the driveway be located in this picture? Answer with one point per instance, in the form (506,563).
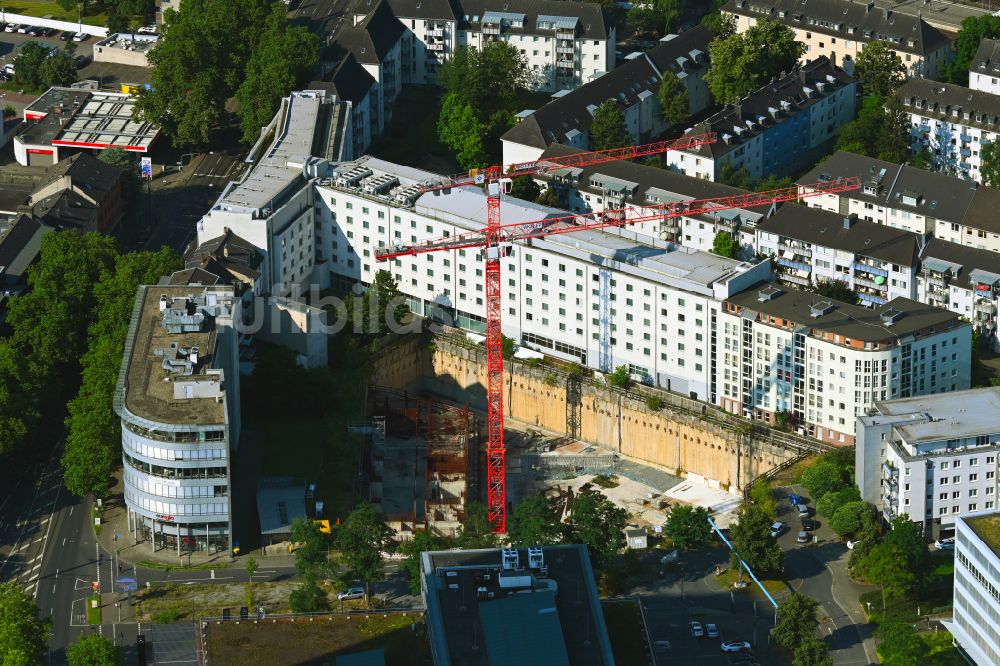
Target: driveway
(819,570)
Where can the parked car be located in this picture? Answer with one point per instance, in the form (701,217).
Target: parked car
(795,499)
(65,35)
(697,630)
(147,30)
(809,524)
(803,537)
(711,630)
(735,646)
(35,31)
(10,27)
(777,529)
(803,510)
(945,544)
(80,37)
(351,593)
(23,28)
(81,60)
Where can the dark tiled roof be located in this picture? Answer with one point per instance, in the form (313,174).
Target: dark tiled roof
(569,112)
(985,210)
(591,19)
(420,9)
(96,178)
(647,177)
(66,210)
(770,105)
(194,276)
(19,247)
(939,195)
(350,81)
(905,33)
(969,258)
(226,255)
(942,101)
(371,39)
(828,229)
(851,321)
(987,58)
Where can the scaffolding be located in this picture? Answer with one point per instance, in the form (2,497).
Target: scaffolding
(421,461)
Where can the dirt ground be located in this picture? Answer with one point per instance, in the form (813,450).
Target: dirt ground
(317,642)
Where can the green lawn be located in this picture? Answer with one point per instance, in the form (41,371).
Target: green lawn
(628,638)
(942,652)
(93,614)
(42,8)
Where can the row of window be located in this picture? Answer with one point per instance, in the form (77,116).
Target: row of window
(175,472)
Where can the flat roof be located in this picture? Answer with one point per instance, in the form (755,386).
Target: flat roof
(86,119)
(150,390)
(851,321)
(954,415)
(987,528)
(455,611)
(524,629)
(280,500)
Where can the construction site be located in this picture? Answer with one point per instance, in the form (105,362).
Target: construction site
(422,462)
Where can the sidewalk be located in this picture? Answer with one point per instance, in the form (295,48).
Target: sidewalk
(114,521)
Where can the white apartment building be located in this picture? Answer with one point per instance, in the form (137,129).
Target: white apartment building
(840,29)
(777,129)
(984,70)
(635,85)
(566,43)
(810,245)
(964,280)
(975,623)
(952,122)
(932,457)
(826,362)
(904,197)
(630,186)
(178,397)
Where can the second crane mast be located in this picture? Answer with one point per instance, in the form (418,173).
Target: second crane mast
(496,238)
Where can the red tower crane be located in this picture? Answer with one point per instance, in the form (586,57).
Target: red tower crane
(496,238)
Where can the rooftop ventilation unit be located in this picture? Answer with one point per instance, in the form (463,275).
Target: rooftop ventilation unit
(767,293)
(821,308)
(536,559)
(406,195)
(510,560)
(352,177)
(890,316)
(378,184)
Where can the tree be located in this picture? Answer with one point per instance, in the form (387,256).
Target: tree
(525,188)
(460,129)
(251,568)
(879,130)
(688,527)
(879,69)
(58,70)
(533,523)
(835,289)
(772,182)
(730,175)
(608,129)
(362,539)
(311,548)
(550,198)
(29,64)
(199,62)
(751,539)
(852,518)
(23,636)
(281,63)
(812,652)
(725,245)
(93,430)
(620,377)
(379,310)
(894,144)
(762,494)
(600,525)
(900,644)
(822,478)
(796,620)
(901,563)
(674,100)
(18,412)
(422,541)
(308,597)
(828,504)
(647,18)
(93,650)
(970,35)
(990,169)
(128,164)
(722,26)
(476,530)
(743,62)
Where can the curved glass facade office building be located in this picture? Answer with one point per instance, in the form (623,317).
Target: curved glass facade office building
(178,399)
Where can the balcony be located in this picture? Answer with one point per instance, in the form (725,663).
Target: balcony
(965,137)
(566,63)
(569,50)
(566,33)
(870,268)
(491,30)
(868,297)
(965,152)
(937,299)
(871,284)
(794,278)
(436,46)
(435,32)
(796,248)
(797,265)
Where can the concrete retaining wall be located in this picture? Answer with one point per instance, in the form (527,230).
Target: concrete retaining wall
(94,30)
(675,441)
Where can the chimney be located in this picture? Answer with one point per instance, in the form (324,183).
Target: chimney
(225,251)
(802,75)
(886,11)
(850,220)
(193,356)
(870,6)
(738,110)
